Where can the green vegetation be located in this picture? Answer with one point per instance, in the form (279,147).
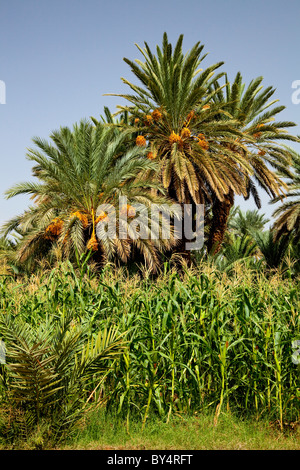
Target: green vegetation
(192,343)
(137,328)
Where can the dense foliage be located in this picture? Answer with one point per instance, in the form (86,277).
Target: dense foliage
(137,325)
(180,344)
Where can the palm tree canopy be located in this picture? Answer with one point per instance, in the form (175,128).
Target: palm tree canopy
(237,249)
(273,251)
(244,223)
(79,170)
(175,117)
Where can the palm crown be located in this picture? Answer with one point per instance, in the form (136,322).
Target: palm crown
(175,117)
(84,168)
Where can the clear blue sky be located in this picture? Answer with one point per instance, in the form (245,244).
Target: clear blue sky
(58,58)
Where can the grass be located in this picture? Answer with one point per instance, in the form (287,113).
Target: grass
(194,433)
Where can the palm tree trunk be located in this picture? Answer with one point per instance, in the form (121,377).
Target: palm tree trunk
(218,227)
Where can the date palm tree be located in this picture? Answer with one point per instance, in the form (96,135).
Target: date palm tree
(236,249)
(212,141)
(48,371)
(260,142)
(81,169)
(244,223)
(273,251)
